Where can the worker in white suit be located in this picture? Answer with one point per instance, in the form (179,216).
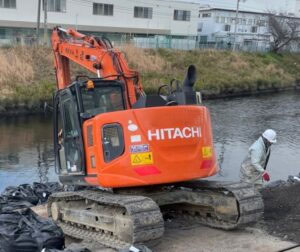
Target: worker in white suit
(253,168)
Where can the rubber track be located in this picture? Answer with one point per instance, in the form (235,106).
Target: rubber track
(145,214)
(249,200)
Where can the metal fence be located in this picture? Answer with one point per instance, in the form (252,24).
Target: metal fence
(160,42)
(167,42)
(254,47)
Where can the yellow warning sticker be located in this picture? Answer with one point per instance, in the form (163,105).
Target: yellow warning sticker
(206,152)
(142,158)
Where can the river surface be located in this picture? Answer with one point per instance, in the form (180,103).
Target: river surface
(26,149)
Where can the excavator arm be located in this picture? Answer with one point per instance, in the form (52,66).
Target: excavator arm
(96,55)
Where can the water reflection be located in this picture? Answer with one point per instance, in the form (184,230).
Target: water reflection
(44,161)
(26,149)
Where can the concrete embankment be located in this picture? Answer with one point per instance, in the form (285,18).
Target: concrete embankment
(27,76)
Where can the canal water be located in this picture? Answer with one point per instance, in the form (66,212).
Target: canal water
(26,149)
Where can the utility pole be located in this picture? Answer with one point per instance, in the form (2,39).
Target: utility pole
(76,20)
(38,24)
(236,24)
(45,22)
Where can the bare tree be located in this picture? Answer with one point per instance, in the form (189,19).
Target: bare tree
(284,30)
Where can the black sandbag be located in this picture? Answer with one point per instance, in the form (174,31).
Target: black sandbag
(25,195)
(25,231)
(54,187)
(22,192)
(8,204)
(43,191)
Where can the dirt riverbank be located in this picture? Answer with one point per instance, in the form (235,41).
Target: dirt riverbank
(27,77)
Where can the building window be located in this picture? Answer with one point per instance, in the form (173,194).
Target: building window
(217,19)
(11,4)
(222,20)
(103,9)
(248,42)
(227,28)
(143,12)
(261,23)
(2,33)
(249,21)
(244,21)
(203,39)
(206,15)
(254,29)
(182,15)
(55,5)
(200,27)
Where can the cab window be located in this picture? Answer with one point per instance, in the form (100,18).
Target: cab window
(102,99)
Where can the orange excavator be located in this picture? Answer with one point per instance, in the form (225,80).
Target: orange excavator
(138,157)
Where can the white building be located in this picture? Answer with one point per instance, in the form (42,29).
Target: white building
(216,28)
(297,8)
(166,23)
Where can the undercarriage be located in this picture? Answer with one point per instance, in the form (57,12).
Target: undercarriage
(133,216)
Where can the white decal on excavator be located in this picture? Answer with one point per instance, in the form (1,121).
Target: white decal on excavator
(173,133)
(132,127)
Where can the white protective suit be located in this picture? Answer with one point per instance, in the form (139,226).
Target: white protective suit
(252,167)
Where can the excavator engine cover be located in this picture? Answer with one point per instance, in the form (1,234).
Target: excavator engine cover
(149,146)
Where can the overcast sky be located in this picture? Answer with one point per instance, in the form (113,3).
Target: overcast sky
(252,5)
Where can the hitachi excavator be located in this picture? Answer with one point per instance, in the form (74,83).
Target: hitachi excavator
(137,157)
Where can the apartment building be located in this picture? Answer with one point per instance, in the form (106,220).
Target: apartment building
(216,27)
(164,23)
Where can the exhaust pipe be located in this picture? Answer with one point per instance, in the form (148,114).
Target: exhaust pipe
(190,79)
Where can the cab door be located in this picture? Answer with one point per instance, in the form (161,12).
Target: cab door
(69,150)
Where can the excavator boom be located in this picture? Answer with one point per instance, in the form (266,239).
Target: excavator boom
(94,54)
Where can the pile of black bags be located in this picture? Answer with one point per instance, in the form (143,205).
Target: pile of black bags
(26,195)
(25,231)
(21,230)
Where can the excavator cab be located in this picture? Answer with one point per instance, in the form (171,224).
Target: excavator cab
(72,106)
